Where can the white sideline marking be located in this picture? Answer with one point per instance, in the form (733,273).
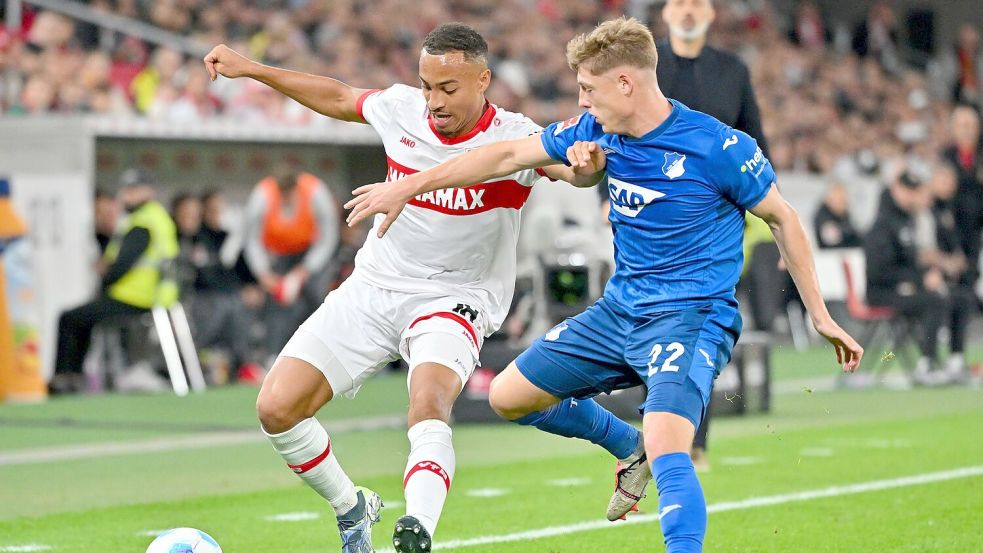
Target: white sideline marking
(750,503)
(394,504)
(28,547)
(816,452)
(569,482)
(293,517)
(486,492)
(151,533)
(740,461)
(195,441)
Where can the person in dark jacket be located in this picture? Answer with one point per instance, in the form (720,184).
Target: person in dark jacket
(832,221)
(712,81)
(949,256)
(895,275)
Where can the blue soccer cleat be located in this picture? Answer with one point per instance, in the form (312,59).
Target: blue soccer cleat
(356,534)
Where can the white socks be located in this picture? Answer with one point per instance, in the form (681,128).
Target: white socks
(307,451)
(429,471)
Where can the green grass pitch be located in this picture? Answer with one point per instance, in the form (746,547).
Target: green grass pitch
(825,471)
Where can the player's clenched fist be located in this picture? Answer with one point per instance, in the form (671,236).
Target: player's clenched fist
(225,61)
(586,158)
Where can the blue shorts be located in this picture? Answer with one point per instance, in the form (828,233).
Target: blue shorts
(677,354)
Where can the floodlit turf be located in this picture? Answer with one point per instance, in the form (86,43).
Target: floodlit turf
(812,440)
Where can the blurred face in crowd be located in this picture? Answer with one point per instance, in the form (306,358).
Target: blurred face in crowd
(969,38)
(134,196)
(944,183)
(965,127)
(911,200)
(106,214)
(187,216)
(454,87)
(213,206)
(688,19)
(836,199)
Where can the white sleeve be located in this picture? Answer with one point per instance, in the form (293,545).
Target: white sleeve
(378,106)
(527,127)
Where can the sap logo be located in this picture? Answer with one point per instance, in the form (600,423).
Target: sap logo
(756,164)
(454,198)
(407,142)
(572,122)
(730,142)
(673,167)
(629,199)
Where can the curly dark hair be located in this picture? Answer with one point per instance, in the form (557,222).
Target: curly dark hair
(456,37)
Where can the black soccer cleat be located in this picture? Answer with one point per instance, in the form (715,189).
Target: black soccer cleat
(409,536)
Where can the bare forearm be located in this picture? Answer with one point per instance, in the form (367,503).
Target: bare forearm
(324,95)
(476,166)
(793,243)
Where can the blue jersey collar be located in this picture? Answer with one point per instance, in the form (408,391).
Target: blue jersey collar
(676,108)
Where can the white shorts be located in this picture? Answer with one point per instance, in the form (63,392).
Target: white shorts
(360,328)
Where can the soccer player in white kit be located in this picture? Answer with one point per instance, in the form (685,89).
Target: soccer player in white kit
(429,291)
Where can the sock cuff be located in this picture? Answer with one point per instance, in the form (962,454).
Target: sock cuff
(671,461)
(429,426)
(302,434)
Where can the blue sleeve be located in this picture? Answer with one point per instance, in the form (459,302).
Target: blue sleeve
(561,135)
(739,169)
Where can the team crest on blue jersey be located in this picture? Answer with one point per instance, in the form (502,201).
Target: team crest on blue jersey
(673,167)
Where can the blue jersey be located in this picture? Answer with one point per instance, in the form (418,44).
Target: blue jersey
(678,197)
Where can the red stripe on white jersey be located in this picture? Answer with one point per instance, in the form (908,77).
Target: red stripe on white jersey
(430,466)
(453,317)
(361,101)
(478,198)
(304,467)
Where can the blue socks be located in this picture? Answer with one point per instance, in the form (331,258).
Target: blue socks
(584,418)
(682,508)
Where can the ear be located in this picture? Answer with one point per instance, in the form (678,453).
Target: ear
(626,85)
(713,14)
(484,80)
(665,15)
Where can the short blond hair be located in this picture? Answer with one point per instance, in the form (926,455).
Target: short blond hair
(622,41)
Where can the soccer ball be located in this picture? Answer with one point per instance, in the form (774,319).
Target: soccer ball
(184,540)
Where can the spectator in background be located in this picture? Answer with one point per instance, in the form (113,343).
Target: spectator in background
(292,226)
(877,37)
(702,77)
(162,72)
(222,310)
(961,68)
(895,275)
(186,212)
(808,29)
(106,215)
(964,154)
(949,257)
(832,221)
(716,83)
(136,277)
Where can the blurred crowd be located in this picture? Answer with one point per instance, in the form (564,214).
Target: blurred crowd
(835,97)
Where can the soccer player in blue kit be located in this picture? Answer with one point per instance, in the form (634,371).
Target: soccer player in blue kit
(679,183)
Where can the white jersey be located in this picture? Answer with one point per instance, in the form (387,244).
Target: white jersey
(457,241)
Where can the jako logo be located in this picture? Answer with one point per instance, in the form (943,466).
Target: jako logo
(409,143)
(673,167)
(758,162)
(629,199)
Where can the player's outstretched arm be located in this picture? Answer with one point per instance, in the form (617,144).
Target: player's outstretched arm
(794,245)
(324,95)
(478,165)
(587,163)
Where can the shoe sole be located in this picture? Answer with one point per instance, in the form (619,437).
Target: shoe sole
(409,536)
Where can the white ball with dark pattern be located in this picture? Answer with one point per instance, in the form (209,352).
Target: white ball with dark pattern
(184,540)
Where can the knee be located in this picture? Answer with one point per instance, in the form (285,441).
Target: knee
(429,406)
(276,414)
(505,404)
